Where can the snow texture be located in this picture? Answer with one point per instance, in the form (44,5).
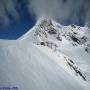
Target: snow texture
(48,57)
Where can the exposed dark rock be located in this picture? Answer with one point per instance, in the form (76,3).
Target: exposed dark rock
(73,26)
(52,31)
(75,33)
(75,39)
(42,43)
(87,50)
(58,37)
(75,68)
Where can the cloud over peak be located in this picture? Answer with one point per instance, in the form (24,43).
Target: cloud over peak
(73,10)
(62,9)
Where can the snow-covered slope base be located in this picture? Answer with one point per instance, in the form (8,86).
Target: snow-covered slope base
(48,57)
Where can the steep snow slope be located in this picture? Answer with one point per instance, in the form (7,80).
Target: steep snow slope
(73,41)
(46,58)
(27,67)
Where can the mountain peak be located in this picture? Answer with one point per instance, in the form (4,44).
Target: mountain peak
(44,21)
(88,24)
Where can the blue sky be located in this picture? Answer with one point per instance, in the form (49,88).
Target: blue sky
(15,28)
(18,16)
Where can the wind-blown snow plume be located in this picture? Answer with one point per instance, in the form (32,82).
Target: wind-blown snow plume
(8,9)
(73,10)
(62,9)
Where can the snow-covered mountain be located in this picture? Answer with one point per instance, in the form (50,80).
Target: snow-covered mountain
(50,56)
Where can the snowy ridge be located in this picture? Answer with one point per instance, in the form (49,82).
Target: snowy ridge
(46,57)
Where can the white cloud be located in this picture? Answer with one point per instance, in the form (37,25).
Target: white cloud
(8,7)
(59,9)
(56,9)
